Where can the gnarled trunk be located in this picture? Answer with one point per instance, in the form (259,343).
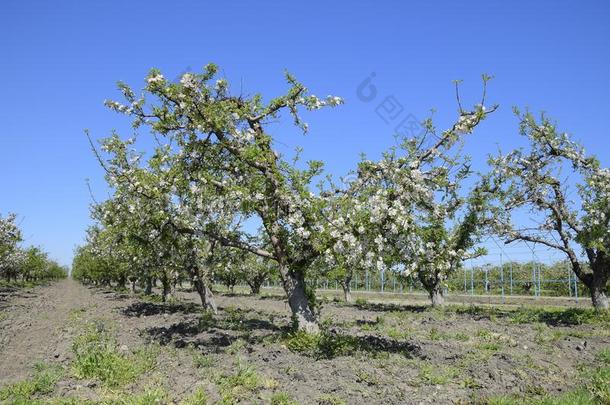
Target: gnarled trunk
(255,287)
(600,299)
(436,296)
(148,285)
(205,294)
(598,290)
(168,288)
(347,289)
(597,281)
(433,285)
(302,312)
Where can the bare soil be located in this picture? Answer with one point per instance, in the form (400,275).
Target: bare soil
(379,353)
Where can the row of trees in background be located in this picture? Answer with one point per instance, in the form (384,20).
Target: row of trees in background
(24,263)
(188,210)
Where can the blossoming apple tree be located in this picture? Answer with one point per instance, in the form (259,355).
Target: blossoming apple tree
(228,154)
(534,179)
(160,217)
(410,210)
(10,236)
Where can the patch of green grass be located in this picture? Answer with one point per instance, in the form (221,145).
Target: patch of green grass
(545,335)
(375,325)
(398,333)
(594,390)
(201,360)
(302,342)
(42,382)
(329,399)
(234,319)
(199,397)
(206,321)
(330,344)
(493,341)
(76,314)
(360,302)
(97,356)
(436,375)
(604,356)
(21,283)
(560,316)
(242,384)
(598,379)
(578,397)
(236,346)
(282,398)
(526,314)
(366,378)
(437,335)
(333,345)
(154,298)
(528,362)
(471,382)
(474,310)
(149,396)
(462,337)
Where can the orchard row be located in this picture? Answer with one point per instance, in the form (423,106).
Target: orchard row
(24,264)
(214,200)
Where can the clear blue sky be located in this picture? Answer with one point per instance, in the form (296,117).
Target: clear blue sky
(61,59)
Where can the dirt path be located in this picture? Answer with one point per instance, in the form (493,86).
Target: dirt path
(35,327)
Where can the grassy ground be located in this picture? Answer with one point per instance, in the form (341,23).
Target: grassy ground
(106,347)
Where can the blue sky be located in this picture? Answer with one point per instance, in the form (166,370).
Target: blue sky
(61,59)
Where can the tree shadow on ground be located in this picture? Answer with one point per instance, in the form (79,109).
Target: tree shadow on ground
(212,334)
(271,297)
(233,294)
(382,307)
(526,315)
(382,344)
(5,296)
(335,342)
(119,297)
(141,308)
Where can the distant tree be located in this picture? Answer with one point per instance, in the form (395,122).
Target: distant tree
(10,254)
(256,270)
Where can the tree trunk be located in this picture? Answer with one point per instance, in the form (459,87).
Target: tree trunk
(148,285)
(168,291)
(302,312)
(207,298)
(436,296)
(133,286)
(596,282)
(433,285)
(599,295)
(347,289)
(255,287)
